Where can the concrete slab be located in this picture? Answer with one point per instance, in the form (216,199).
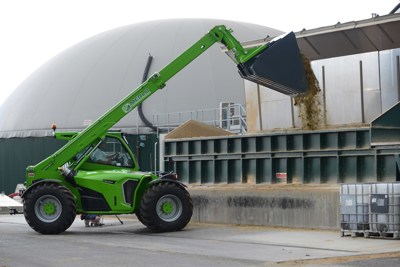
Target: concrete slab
(131,244)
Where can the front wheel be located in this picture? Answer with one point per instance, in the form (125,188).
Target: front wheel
(166,207)
(49,208)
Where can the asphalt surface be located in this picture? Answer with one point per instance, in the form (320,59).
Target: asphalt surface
(131,244)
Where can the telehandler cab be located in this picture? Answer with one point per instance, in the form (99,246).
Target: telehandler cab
(95,172)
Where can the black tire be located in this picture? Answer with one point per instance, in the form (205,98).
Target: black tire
(137,213)
(166,207)
(49,208)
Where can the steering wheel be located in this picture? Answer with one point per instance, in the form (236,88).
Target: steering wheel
(119,158)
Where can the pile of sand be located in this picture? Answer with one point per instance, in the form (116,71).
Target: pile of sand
(193,128)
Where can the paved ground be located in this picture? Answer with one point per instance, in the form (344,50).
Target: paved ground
(208,245)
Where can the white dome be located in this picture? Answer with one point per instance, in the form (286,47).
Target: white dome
(84,81)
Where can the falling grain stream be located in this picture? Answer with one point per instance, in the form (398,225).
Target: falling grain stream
(310,111)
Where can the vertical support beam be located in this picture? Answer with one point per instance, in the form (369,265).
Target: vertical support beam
(336,171)
(380,80)
(162,152)
(398,77)
(303,169)
(259,107)
(376,172)
(292,112)
(397,159)
(324,94)
(362,92)
(339,170)
(397,175)
(155,157)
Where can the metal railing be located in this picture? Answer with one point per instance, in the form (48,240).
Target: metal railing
(229,116)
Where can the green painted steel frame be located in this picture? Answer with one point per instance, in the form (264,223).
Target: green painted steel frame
(318,157)
(385,129)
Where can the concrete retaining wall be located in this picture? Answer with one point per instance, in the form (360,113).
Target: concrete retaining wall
(303,207)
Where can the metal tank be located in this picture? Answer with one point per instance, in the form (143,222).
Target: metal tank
(354,208)
(385,209)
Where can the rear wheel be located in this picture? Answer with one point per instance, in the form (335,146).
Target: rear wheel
(49,208)
(166,207)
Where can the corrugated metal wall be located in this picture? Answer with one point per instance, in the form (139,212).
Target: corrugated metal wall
(143,147)
(355,89)
(18,153)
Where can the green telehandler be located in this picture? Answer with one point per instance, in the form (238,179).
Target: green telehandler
(95,172)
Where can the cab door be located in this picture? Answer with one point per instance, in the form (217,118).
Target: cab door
(112,153)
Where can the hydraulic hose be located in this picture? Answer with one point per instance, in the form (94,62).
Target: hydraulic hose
(395,9)
(140,109)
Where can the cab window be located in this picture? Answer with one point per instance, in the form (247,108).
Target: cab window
(111,152)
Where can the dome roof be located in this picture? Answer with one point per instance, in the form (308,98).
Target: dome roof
(81,83)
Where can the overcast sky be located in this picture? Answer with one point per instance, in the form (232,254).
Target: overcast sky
(33,31)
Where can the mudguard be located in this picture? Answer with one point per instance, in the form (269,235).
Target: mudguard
(38,183)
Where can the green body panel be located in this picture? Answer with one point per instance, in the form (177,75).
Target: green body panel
(77,172)
(110,184)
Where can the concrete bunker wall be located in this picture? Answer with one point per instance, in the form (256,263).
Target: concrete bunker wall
(275,206)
